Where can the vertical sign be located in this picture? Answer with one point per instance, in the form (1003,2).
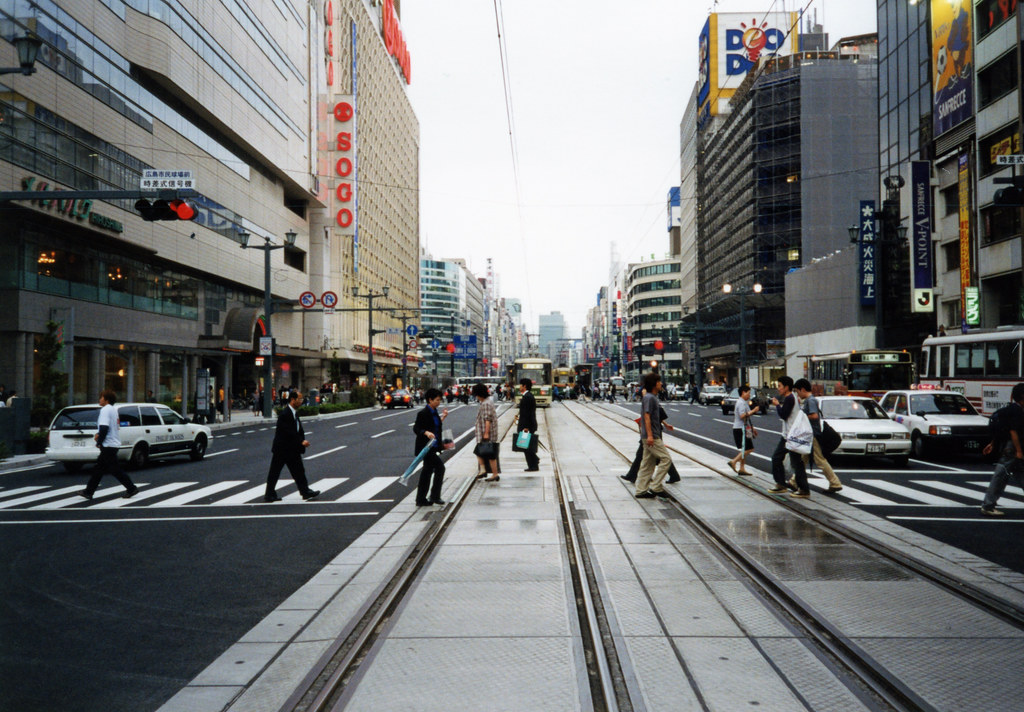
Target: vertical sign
(866,249)
(921,211)
(972,306)
(355,165)
(952,63)
(963,182)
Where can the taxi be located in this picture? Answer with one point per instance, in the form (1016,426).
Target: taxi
(937,421)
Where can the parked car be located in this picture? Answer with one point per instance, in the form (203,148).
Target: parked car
(400,397)
(865,428)
(147,431)
(729,402)
(937,421)
(711,394)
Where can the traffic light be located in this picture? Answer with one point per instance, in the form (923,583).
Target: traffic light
(166,210)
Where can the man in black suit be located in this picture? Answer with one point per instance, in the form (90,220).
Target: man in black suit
(528,423)
(427,428)
(289,444)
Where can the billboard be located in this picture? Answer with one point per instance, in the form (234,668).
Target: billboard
(730,45)
(952,64)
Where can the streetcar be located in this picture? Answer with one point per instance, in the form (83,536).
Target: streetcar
(493,383)
(564,380)
(584,372)
(982,366)
(540,372)
(871,372)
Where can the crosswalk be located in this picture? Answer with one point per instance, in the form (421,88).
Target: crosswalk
(229,493)
(919,492)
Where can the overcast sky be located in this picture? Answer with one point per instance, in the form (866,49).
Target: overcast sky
(598,90)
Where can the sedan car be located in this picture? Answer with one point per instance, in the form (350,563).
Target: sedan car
(937,421)
(147,431)
(865,428)
(400,397)
(711,394)
(729,402)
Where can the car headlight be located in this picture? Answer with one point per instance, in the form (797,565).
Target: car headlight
(848,436)
(903,435)
(940,430)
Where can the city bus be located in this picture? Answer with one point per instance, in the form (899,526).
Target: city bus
(982,366)
(540,372)
(871,372)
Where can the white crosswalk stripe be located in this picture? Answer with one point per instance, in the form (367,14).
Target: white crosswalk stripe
(142,495)
(368,490)
(20,490)
(98,495)
(192,496)
(8,503)
(910,493)
(971,494)
(323,485)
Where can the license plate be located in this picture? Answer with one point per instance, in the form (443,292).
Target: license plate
(972,444)
(81,442)
(876,447)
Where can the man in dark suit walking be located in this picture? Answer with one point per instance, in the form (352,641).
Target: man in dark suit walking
(428,427)
(528,423)
(289,444)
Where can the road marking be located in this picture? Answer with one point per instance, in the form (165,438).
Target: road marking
(719,420)
(233,518)
(98,494)
(911,493)
(368,490)
(21,490)
(27,469)
(695,415)
(325,452)
(975,520)
(238,433)
(250,431)
(199,493)
(860,497)
(392,415)
(380,435)
(221,452)
(344,425)
(245,495)
(973,495)
(147,494)
(322,485)
(44,495)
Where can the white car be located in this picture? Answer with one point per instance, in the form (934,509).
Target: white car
(147,431)
(711,394)
(865,428)
(937,420)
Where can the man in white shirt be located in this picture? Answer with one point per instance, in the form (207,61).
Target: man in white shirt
(109,442)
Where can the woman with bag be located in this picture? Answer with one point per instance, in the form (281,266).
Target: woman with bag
(796,440)
(486,450)
(743,431)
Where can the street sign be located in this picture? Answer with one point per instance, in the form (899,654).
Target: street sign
(412,330)
(266,346)
(329,300)
(412,344)
(435,344)
(307,300)
(924,300)
(465,346)
(405,361)
(1010,160)
(154,179)
(972,309)
(393,330)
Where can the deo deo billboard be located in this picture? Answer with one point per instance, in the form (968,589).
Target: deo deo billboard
(730,45)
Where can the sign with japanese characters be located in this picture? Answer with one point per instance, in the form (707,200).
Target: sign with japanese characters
(921,207)
(866,249)
(155,179)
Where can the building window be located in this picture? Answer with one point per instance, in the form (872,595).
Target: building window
(951,251)
(999,223)
(989,14)
(997,79)
(296,259)
(951,200)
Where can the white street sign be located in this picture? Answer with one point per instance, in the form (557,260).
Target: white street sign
(1011,160)
(155,179)
(266,346)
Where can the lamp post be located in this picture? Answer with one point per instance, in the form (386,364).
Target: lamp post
(369,296)
(268,309)
(28,50)
(729,289)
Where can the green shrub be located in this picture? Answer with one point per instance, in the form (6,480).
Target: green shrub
(363,396)
(336,407)
(37,442)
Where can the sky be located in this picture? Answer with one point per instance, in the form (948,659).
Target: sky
(598,90)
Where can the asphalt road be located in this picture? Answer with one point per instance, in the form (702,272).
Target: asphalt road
(940,498)
(116,604)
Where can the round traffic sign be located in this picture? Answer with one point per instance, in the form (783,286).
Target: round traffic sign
(307,300)
(412,330)
(329,300)
(412,344)
(435,344)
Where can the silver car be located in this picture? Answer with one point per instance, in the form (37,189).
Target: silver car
(865,428)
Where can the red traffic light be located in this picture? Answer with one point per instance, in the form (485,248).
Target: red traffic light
(450,348)
(166,210)
(183,209)
(659,345)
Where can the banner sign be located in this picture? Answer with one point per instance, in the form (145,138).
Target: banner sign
(964,186)
(921,212)
(866,250)
(952,64)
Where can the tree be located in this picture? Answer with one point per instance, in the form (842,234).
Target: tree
(52,387)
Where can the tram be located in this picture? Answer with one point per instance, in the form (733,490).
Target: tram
(540,372)
(584,373)
(871,373)
(564,380)
(982,366)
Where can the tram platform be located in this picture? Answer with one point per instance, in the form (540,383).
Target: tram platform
(493,619)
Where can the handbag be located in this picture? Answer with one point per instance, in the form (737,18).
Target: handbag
(829,439)
(486,449)
(522,441)
(799,435)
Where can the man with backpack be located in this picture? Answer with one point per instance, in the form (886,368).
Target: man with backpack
(1007,426)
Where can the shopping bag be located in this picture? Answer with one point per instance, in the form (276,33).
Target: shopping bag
(800,435)
(447,439)
(522,441)
(406,477)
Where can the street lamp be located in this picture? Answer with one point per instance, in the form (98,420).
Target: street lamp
(268,309)
(28,50)
(756,289)
(369,297)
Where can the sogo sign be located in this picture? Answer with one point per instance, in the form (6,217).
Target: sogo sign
(344,167)
(394,41)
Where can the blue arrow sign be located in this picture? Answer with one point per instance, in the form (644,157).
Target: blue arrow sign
(412,330)
(435,344)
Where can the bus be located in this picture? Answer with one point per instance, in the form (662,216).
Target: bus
(493,383)
(982,366)
(871,372)
(540,372)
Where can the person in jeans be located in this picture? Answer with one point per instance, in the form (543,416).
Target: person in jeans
(1011,456)
(741,422)
(656,461)
(786,408)
(108,440)
(809,405)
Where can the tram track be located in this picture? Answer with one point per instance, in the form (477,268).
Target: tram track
(851,663)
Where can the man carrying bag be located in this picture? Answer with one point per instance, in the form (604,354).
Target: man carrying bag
(826,440)
(526,431)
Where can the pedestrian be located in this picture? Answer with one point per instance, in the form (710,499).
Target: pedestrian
(634,468)
(787,410)
(428,427)
(1009,446)
(11,395)
(108,440)
(486,434)
(656,460)
(743,431)
(289,444)
(527,423)
(812,409)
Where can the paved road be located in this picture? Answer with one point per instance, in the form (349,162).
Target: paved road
(116,604)
(938,498)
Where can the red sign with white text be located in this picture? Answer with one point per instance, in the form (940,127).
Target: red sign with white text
(344,165)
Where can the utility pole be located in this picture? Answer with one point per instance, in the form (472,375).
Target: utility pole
(369,297)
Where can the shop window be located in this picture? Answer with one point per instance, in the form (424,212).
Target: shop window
(1005,141)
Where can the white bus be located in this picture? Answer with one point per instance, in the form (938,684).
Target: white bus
(983,366)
